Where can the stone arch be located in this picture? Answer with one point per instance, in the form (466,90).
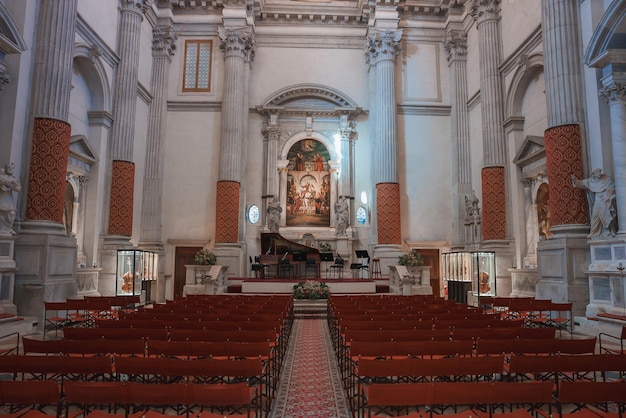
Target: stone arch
(317,136)
(531,65)
(609,33)
(323,96)
(12,40)
(90,67)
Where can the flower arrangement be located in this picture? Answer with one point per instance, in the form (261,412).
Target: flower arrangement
(311,289)
(326,247)
(412,258)
(205,257)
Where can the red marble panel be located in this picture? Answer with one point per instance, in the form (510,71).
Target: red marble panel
(388,213)
(494,203)
(48,168)
(122,193)
(568,205)
(227,211)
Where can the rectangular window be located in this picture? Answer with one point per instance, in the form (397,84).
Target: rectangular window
(197,75)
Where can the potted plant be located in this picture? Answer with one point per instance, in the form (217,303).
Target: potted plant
(311,289)
(326,247)
(411,259)
(205,257)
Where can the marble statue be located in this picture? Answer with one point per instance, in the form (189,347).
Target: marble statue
(601,196)
(342,217)
(273,215)
(8,184)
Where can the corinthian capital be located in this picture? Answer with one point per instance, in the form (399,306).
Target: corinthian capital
(613,92)
(164,40)
(456,46)
(135,5)
(239,42)
(382,45)
(484,10)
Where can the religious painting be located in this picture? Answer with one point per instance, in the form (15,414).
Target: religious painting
(308,184)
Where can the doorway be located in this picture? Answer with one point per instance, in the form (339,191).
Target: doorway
(182,256)
(431,258)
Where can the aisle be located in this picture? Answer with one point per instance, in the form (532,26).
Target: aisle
(310,385)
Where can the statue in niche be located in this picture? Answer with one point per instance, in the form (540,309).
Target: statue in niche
(273,215)
(601,197)
(8,184)
(342,217)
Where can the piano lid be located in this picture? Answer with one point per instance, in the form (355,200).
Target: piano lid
(274,243)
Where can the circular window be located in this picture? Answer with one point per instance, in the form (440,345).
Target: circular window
(361,215)
(253,214)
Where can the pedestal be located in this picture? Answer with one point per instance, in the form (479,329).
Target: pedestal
(204,280)
(46,272)
(7,274)
(561,267)
(523,282)
(87,281)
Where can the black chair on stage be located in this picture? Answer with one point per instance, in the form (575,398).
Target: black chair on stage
(326,258)
(337,268)
(257,268)
(310,264)
(286,269)
(364,261)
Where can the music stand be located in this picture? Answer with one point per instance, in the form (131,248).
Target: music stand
(326,257)
(363,255)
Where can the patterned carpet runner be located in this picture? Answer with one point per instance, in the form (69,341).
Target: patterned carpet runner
(310,385)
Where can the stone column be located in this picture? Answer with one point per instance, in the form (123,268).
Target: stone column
(45,255)
(614,91)
(236,45)
(83,182)
(486,13)
(563,258)
(163,46)
(52,79)
(271,135)
(124,109)
(382,49)
(456,45)
(346,187)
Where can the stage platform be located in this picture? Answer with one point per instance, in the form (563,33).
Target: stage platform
(337,286)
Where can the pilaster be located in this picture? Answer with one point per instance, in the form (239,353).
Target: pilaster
(456,46)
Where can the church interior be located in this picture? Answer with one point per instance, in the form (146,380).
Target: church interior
(432,152)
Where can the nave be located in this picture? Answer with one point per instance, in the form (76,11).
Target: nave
(356,356)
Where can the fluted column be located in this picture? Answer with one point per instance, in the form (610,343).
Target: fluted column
(565,148)
(124,109)
(162,50)
(614,92)
(456,45)
(237,44)
(52,77)
(347,133)
(382,48)
(487,16)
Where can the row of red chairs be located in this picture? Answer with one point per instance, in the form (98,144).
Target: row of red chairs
(554,369)
(44,398)
(497,399)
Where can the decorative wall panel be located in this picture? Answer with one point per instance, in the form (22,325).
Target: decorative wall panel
(122,192)
(48,167)
(568,205)
(388,213)
(494,203)
(227,211)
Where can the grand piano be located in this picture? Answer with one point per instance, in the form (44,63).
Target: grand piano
(288,259)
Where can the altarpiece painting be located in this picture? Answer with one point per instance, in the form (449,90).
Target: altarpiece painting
(308,184)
